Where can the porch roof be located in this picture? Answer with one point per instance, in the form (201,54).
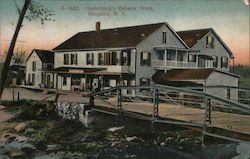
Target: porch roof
(84,71)
(183,74)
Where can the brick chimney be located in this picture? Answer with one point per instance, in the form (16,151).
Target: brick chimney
(98,26)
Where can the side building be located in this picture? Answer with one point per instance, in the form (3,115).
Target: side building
(38,63)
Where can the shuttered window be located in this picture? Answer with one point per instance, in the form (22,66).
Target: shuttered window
(224,62)
(90,59)
(145,59)
(215,61)
(66,59)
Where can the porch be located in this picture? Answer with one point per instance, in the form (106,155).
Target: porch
(179,58)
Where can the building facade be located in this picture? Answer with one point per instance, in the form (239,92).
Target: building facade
(100,59)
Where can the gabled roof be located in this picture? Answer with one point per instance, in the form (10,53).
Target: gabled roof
(112,38)
(183,74)
(191,37)
(45,56)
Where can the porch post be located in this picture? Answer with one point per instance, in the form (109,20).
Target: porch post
(176,58)
(197,59)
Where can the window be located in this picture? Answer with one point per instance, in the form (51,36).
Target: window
(90,59)
(73,59)
(64,81)
(100,59)
(126,58)
(114,58)
(191,58)
(106,58)
(210,42)
(144,82)
(215,61)
(34,66)
(180,56)
(164,37)
(145,58)
(171,55)
(224,62)
(66,59)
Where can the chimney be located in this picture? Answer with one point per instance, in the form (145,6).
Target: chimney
(98,26)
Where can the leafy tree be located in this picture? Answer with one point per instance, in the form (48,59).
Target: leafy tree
(35,12)
(17,57)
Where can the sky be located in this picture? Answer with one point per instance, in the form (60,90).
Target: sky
(229,18)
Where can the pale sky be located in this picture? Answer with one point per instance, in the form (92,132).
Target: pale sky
(229,18)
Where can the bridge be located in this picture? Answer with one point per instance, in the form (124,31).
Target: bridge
(183,106)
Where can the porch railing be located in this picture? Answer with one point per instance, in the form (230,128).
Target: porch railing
(176,64)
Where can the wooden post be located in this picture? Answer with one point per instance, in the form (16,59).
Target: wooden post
(119,99)
(155,112)
(207,118)
(13,95)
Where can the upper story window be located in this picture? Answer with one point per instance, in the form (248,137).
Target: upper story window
(164,37)
(90,59)
(114,58)
(107,58)
(180,56)
(126,58)
(34,66)
(210,42)
(66,59)
(100,59)
(224,62)
(215,61)
(73,59)
(191,58)
(145,59)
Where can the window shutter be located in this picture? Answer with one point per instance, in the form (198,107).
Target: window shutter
(129,57)
(92,62)
(87,59)
(76,60)
(141,59)
(149,59)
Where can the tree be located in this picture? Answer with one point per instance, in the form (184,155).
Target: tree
(36,11)
(17,57)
